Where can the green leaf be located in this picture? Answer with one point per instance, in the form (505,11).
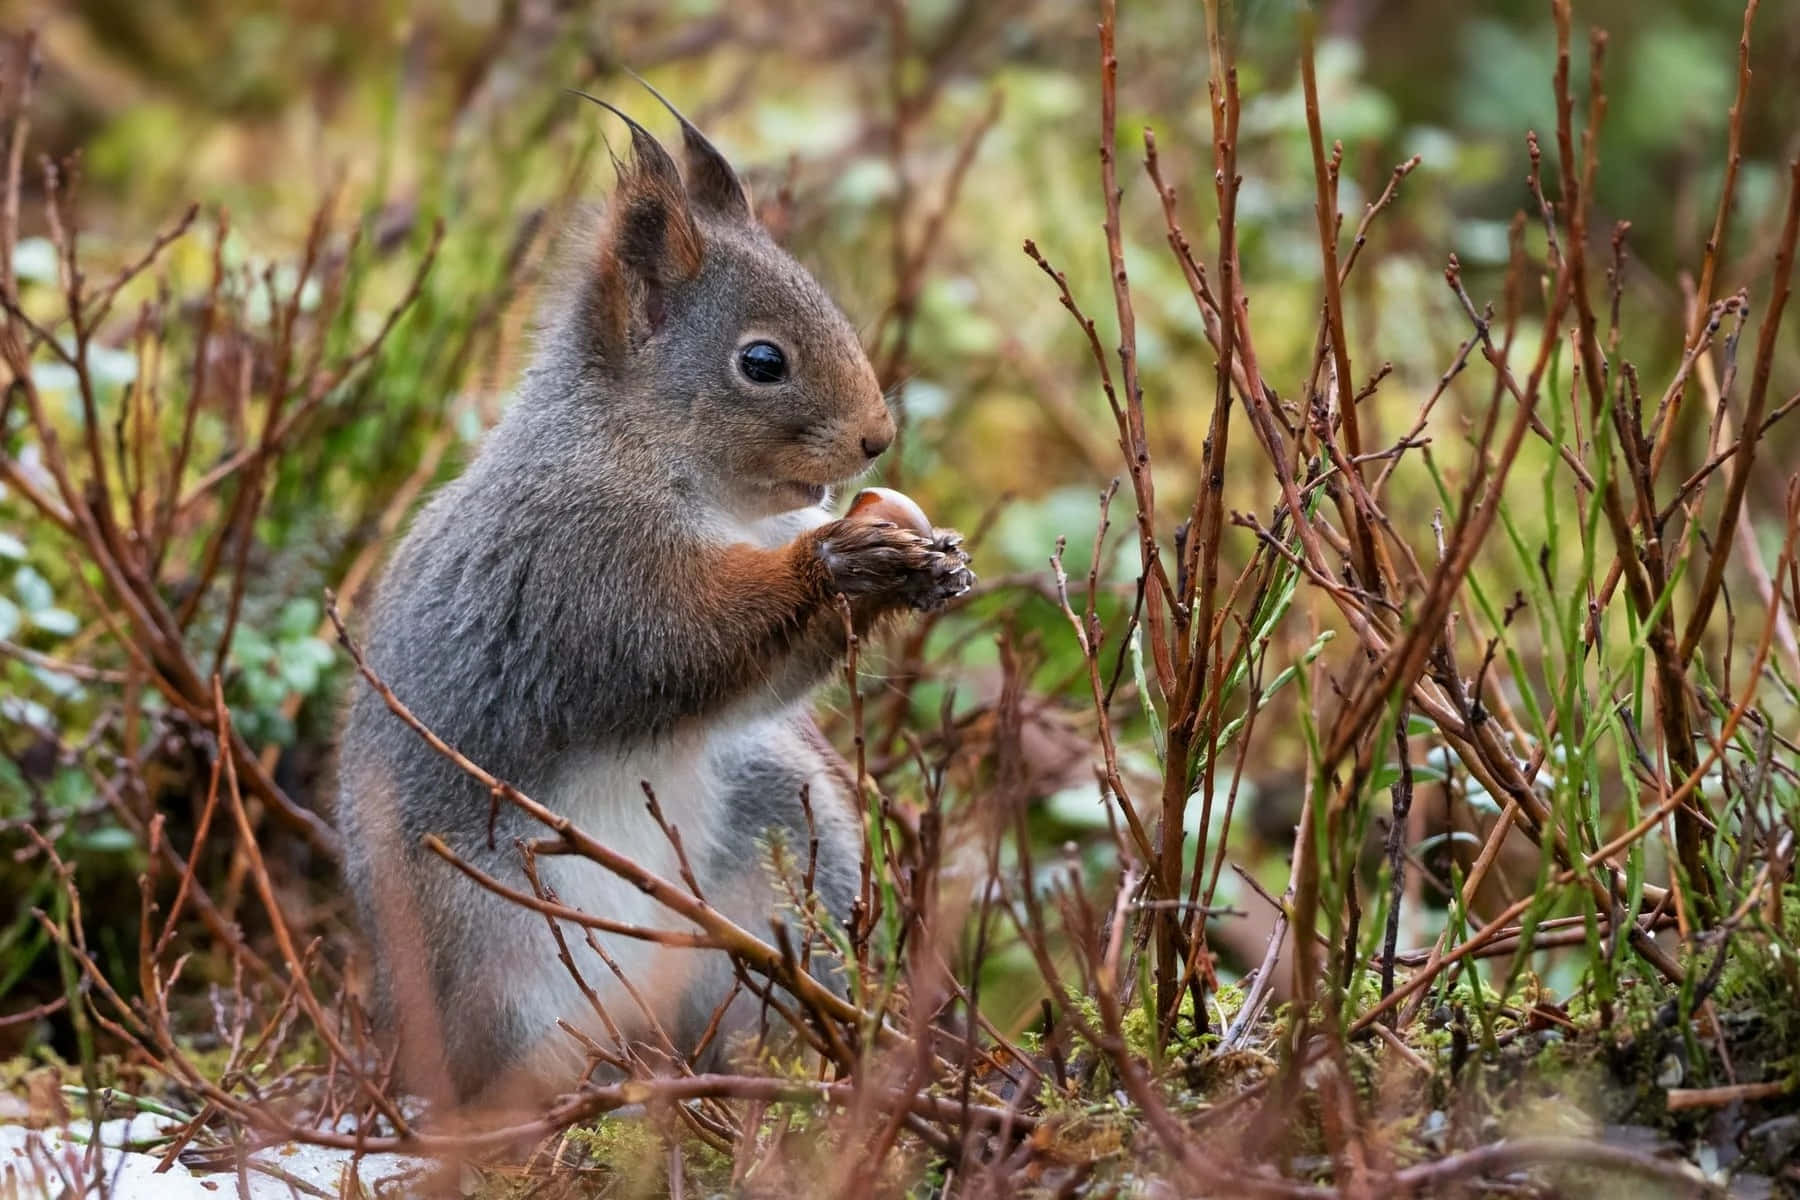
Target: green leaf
(111,368)
(299,617)
(250,649)
(21,711)
(34,259)
(63,687)
(13,795)
(1143,689)
(300,664)
(1287,673)
(266,691)
(1389,774)
(33,590)
(59,621)
(54,377)
(108,839)
(1453,837)
(1481,801)
(70,790)
(1081,807)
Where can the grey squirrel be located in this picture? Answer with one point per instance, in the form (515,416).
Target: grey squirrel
(634,582)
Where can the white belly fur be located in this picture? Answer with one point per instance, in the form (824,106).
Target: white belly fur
(603,795)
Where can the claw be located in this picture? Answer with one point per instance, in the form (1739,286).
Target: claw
(921,570)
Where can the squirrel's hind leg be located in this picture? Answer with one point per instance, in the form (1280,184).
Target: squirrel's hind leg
(460,995)
(757,871)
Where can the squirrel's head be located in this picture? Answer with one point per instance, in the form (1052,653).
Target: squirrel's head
(722,343)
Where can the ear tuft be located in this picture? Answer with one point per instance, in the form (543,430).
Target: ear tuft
(652,229)
(649,242)
(711,181)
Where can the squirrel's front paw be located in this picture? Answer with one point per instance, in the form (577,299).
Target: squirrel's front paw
(879,559)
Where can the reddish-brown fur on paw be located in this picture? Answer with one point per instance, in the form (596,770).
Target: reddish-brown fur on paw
(786,597)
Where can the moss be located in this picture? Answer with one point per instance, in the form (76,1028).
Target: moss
(1365,1068)
(1214,1075)
(635,1152)
(629,1147)
(708,1170)
(1088,1136)
(1139,1028)
(1762,981)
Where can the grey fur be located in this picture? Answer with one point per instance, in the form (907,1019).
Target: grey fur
(563,607)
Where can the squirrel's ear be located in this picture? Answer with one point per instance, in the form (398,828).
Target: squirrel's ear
(649,242)
(711,182)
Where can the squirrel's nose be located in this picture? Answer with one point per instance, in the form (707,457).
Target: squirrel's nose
(873,446)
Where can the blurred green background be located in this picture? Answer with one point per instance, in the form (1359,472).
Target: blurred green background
(849,120)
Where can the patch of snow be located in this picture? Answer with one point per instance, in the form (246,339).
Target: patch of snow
(59,1164)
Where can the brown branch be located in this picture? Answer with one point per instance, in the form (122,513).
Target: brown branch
(1682,1099)
(562,912)
(1739,481)
(1511,1154)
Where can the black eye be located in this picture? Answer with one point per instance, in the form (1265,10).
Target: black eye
(762,362)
